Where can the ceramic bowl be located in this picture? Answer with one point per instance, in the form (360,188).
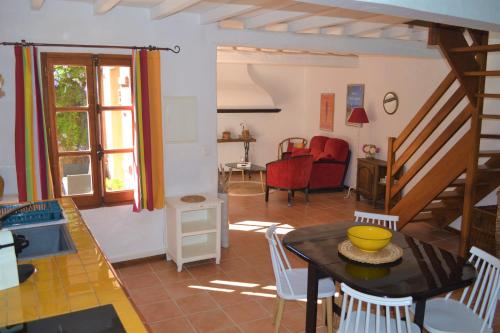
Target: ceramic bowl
(369,238)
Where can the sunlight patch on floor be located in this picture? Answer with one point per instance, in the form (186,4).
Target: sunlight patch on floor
(260,226)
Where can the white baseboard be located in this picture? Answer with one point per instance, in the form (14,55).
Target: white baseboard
(135,255)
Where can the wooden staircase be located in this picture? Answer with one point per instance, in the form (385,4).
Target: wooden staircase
(443,172)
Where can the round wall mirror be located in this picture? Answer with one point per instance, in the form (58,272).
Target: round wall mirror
(391,103)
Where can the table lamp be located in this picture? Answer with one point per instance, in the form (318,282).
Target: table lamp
(358,116)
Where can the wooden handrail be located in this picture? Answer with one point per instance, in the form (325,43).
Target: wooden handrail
(424,110)
(389,178)
(445,110)
(431,151)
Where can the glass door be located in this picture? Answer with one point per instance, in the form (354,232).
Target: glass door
(71,110)
(116,128)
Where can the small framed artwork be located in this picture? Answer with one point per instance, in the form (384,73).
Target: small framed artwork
(326,112)
(355,98)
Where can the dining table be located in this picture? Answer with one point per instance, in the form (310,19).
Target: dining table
(423,271)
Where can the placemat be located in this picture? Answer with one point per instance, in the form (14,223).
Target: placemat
(193,198)
(388,254)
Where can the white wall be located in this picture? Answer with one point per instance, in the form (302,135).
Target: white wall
(189,168)
(286,86)
(412,79)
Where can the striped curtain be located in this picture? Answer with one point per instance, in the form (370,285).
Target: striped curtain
(34,179)
(148,146)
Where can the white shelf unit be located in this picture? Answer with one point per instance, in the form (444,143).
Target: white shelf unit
(193,230)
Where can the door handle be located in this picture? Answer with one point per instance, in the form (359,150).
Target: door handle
(100,152)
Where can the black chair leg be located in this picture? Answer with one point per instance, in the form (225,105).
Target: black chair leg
(293,194)
(267,193)
(289,198)
(306,192)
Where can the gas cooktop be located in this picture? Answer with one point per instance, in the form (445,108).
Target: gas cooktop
(101,319)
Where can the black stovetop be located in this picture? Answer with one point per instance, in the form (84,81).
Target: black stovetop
(101,319)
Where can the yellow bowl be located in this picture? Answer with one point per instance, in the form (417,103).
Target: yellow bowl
(369,238)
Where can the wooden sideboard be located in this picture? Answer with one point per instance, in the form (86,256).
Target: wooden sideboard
(370,179)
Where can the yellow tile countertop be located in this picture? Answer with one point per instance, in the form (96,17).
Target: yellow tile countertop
(70,282)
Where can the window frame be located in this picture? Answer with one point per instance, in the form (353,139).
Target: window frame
(94,110)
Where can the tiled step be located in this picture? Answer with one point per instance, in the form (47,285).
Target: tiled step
(435,206)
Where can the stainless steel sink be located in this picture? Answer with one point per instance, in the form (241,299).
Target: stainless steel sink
(46,241)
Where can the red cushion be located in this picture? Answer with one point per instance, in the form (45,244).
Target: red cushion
(337,148)
(324,156)
(317,145)
(300,151)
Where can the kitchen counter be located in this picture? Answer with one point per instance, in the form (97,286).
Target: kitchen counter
(69,282)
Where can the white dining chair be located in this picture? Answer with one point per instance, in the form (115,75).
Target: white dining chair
(475,310)
(388,221)
(357,315)
(291,283)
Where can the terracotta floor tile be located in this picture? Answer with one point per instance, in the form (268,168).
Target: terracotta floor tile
(176,325)
(159,311)
(141,281)
(169,276)
(247,311)
(149,295)
(183,289)
(265,325)
(196,303)
(210,321)
(192,300)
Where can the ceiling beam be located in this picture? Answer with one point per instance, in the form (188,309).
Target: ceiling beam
(224,12)
(482,15)
(272,17)
(396,31)
(170,7)
(314,22)
(278,58)
(374,23)
(322,43)
(103,6)
(37,4)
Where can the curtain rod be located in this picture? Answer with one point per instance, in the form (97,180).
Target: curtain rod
(176,48)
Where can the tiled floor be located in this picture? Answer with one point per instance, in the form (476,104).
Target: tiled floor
(238,294)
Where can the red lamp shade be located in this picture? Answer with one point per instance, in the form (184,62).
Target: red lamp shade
(358,116)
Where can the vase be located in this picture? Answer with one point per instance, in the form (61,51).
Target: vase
(370,155)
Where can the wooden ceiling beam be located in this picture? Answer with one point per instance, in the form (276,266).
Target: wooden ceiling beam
(225,12)
(103,6)
(314,22)
(170,7)
(481,15)
(272,17)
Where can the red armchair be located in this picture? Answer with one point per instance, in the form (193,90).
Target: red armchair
(331,159)
(291,174)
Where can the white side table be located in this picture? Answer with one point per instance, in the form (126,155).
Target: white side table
(193,230)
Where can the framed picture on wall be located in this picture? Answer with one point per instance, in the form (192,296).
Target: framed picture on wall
(327,110)
(355,98)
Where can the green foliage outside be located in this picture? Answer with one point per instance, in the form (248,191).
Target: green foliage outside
(114,184)
(70,83)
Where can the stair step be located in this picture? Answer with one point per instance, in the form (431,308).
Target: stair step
(450,195)
(490,116)
(477,48)
(486,169)
(488,95)
(458,182)
(489,153)
(490,136)
(423,216)
(482,73)
(439,206)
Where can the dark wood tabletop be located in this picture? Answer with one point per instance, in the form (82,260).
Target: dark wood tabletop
(424,271)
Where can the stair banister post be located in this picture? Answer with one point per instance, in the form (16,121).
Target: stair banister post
(389,177)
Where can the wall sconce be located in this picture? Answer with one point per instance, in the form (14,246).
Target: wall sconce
(2,81)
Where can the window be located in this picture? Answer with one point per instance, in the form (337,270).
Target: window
(90,118)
